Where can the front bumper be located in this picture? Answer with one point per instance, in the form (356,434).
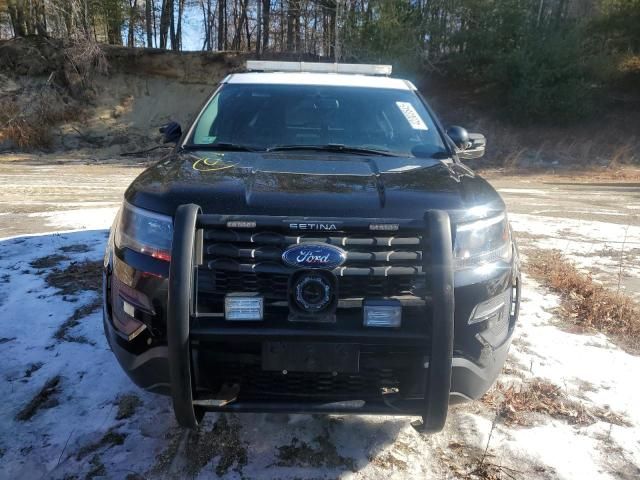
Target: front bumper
(150,371)
(451,363)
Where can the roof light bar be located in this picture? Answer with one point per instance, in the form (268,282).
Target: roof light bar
(312,67)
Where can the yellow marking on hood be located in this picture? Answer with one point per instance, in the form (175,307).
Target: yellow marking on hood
(210,165)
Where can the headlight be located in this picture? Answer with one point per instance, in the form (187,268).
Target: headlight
(482,242)
(145,232)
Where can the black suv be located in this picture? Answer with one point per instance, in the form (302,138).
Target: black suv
(313,244)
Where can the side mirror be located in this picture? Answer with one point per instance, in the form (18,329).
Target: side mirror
(470,145)
(459,136)
(475,148)
(171,132)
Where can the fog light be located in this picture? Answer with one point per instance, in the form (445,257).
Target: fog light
(126,324)
(491,308)
(382,313)
(243,306)
(128,308)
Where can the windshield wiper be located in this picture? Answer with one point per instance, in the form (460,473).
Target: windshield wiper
(222,146)
(334,147)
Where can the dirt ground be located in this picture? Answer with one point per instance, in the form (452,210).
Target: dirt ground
(595,221)
(42,193)
(69,411)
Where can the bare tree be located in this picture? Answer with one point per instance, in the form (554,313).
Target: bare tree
(208,21)
(166,19)
(17,16)
(148,12)
(133,14)
(259,27)
(222,24)
(291,16)
(178,35)
(266,17)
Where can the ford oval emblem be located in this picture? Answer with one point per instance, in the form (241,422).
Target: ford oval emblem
(314,255)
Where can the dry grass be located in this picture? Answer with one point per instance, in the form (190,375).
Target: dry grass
(83,59)
(127,406)
(110,439)
(49,261)
(29,112)
(585,175)
(23,130)
(630,64)
(588,304)
(222,442)
(45,398)
(515,405)
(388,461)
(63,333)
(471,463)
(97,469)
(75,248)
(26,120)
(78,276)
(323,455)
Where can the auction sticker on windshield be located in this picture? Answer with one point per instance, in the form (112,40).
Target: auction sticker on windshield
(412,116)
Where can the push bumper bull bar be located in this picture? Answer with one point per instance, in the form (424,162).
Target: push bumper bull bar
(185,257)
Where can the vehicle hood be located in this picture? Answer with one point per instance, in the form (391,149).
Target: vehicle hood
(311,184)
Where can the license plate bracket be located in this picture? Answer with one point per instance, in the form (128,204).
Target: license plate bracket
(311,357)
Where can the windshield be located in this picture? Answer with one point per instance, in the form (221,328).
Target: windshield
(263,117)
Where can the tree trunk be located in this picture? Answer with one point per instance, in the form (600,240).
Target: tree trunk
(16,14)
(172,27)
(210,25)
(206,22)
(85,20)
(179,28)
(259,28)
(148,9)
(282,29)
(266,16)
(155,24)
(246,25)
(133,5)
(40,19)
(222,25)
(113,19)
(237,26)
(296,27)
(290,22)
(13,17)
(333,18)
(166,19)
(336,32)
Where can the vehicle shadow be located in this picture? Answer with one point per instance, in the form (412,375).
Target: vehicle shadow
(64,384)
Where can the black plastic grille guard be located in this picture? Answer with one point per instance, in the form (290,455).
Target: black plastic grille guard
(186,254)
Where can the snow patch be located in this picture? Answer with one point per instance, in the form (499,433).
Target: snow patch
(82,218)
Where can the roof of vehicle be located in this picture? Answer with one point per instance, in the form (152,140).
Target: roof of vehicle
(324,79)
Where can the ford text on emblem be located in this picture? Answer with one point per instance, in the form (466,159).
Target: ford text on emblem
(314,255)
